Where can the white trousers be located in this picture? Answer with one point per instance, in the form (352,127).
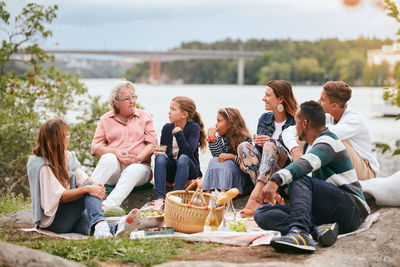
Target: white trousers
(109,171)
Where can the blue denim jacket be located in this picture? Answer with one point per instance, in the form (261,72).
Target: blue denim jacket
(266,126)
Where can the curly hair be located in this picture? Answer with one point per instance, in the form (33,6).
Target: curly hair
(118,87)
(237,127)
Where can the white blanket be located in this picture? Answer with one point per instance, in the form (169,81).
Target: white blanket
(385,191)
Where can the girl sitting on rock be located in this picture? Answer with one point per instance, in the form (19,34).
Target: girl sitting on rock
(64,199)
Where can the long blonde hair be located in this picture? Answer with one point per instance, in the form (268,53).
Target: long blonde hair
(187,104)
(237,127)
(51,146)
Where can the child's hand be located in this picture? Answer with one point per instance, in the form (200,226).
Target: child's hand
(211,134)
(176,129)
(226,156)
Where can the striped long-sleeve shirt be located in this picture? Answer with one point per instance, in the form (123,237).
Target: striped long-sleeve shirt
(221,146)
(328,160)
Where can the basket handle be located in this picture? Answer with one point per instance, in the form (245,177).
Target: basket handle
(190,187)
(199,194)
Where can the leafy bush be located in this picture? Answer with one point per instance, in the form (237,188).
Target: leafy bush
(34,93)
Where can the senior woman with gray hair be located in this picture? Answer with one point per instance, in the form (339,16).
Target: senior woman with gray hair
(124,142)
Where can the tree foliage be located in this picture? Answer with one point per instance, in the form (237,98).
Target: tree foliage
(393,94)
(297,61)
(39,93)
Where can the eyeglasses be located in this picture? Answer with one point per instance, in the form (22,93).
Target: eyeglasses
(129,98)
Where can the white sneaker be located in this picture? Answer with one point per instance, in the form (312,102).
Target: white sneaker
(102,230)
(129,223)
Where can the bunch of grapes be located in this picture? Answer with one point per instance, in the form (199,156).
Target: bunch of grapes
(238,227)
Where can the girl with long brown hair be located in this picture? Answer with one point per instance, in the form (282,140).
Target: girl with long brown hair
(223,172)
(182,136)
(64,199)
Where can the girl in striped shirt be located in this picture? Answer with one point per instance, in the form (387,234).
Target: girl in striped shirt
(223,172)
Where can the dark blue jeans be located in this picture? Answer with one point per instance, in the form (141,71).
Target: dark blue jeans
(312,202)
(167,169)
(78,216)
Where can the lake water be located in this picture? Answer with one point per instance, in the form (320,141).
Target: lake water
(247,98)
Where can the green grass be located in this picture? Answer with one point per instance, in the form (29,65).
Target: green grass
(145,252)
(10,203)
(91,252)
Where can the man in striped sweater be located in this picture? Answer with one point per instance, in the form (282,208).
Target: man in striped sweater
(322,205)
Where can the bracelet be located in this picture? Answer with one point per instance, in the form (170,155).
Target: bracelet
(211,140)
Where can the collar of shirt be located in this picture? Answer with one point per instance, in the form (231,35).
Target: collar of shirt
(115,116)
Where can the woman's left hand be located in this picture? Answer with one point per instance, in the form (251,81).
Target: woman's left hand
(176,129)
(261,139)
(226,156)
(96,190)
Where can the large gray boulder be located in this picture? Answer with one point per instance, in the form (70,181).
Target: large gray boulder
(12,255)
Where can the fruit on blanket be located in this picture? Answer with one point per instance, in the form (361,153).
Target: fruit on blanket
(114,212)
(238,227)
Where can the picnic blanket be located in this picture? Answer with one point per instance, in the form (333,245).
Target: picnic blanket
(251,238)
(71,236)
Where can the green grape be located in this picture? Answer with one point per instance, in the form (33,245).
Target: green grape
(238,227)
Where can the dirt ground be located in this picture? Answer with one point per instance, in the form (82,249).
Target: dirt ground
(244,255)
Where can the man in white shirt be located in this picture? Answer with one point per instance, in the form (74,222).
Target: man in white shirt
(349,125)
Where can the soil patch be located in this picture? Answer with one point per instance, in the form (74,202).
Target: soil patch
(234,254)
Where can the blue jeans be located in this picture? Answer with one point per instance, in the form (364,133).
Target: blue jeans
(167,169)
(78,216)
(312,202)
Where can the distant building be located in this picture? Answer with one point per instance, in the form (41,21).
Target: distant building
(388,53)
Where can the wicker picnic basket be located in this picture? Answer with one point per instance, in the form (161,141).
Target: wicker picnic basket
(187,218)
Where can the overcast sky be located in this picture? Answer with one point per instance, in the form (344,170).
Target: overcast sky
(165,24)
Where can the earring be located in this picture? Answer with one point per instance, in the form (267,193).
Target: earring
(280,107)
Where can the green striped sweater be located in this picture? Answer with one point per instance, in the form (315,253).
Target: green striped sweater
(328,160)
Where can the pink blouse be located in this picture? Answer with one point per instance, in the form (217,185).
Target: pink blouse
(131,137)
(51,191)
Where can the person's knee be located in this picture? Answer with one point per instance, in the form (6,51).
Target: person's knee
(110,160)
(183,160)
(261,216)
(269,147)
(89,183)
(242,146)
(160,159)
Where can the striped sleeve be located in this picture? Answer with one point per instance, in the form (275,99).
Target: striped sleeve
(320,155)
(217,147)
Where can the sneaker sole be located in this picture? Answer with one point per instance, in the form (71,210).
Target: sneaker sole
(329,237)
(285,246)
(130,227)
